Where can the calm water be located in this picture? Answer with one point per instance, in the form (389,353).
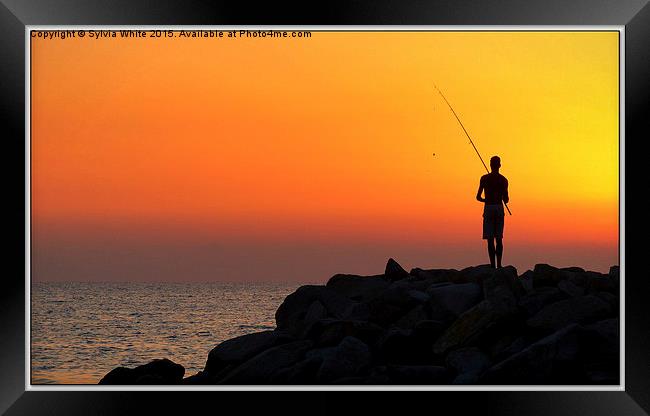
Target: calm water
(81,331)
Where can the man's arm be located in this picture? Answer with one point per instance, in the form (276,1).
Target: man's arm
(506,198)
(480,191)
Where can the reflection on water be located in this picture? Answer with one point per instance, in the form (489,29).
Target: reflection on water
(81,331)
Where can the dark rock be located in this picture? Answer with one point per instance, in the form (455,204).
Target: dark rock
(433,276)
(394,271)
(384,314)
(161,371)
(602,374)
(570,288)
(545,275)
(428,331)
(405,346)
(466,379)
(468,361)
(437,285)
(378,376)
(329,332)
(263,367)
(580,279)
(402,297)
(506,346)
(358,288)
(503,286)
(410,283)
(603,283)
(304,372)
(573,269)
(475,324)
(315,312)
(611,299)
(198,379)
(418,296)
(474,274)
(291,314)
(413,317)
(614,274)
(393,304)
(582,309)
(573,355)
(601,356)
(456,298)
(552,360)
(536,300)
(526,280)
(240,349)
(345,360)
(604,337)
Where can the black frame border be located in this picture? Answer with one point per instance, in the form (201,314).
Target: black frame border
(16,15)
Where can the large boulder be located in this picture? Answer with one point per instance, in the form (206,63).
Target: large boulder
(551,360)
(303,372)
(546,275)
(346,359)
(570,288)
(469,363)
(416,315)
(582,309)
(421,279)
(605,339)
(358,288)
(406,346)
(506,346)
(159,371)
(533,302)
(573,269)
(611,299)
(503,286)
(603,283)
(240,349)
(602,357)
(428,331)
(292,314)
(329,332)
(455,298)
(474,274)
(263,367)
(393,304)
(475,324)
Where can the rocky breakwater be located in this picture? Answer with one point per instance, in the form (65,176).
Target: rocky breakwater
(443,326)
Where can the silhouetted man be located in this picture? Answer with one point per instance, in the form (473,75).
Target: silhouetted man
(495,186)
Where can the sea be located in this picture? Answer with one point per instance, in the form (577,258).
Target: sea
(80,331)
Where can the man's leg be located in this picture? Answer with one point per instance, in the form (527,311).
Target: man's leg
(491,250)
(499,251)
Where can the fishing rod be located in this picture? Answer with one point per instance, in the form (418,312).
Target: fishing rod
(467,134)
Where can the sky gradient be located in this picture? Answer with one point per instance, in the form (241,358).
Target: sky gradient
(295,159)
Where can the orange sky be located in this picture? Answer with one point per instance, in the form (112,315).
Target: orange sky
(246,147)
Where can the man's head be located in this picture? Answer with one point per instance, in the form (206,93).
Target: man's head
(495,163)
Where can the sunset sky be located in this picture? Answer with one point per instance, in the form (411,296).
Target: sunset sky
(294,159)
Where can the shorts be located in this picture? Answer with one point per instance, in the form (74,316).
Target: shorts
(493,216)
